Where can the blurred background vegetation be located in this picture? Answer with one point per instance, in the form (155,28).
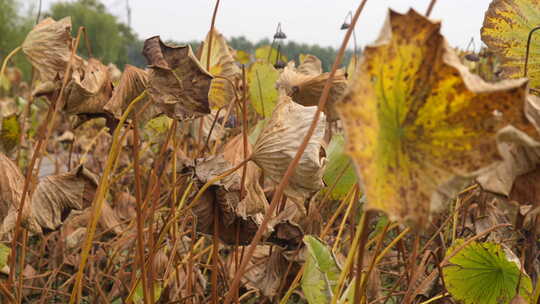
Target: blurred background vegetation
(113,41)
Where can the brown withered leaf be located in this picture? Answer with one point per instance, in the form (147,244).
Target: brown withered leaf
(277,144)
(56,195)
(255,200)
(521,154)
(124,206)
(234,150)
(286,230)
(11,186)
(115,72)
(266,270)
(89,89)
(222,64)
(209,123)
(176,80)
(310,65)
(48,47)
(306,89)
(132,83)
(223,199)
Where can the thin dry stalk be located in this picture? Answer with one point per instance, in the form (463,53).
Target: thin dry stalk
(290,170)
(138,205)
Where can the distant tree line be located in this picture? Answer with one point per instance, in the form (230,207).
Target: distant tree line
(113,41)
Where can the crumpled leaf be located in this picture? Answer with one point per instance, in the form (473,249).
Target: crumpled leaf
(218,131)
(132,83)
(482,273)
(57,194)
(221,64)
(225,196)
(48,47)
(11,187)
(286,229)
(306,89)
(263,94)
(176,80)
(434,120)
(89,90)
(321,272)
(505,31)
(265,271)
(276,146)
(309,65)
(521,154)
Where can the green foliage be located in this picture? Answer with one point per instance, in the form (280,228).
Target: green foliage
(10,132)
(481,273)
(321,272)
(138,297)
(110,40)
(292,50)
(337,162)
(4,254)
(13,29)
(262,90)
(267,52)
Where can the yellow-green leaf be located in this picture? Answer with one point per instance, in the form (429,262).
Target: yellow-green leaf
(221,65)
(4,255)
(507,25)
(267,53)
(242,57)
(415,117)
(262,87)
(10,132)
(481,273)
(321,272)
(339,168)
(5,84)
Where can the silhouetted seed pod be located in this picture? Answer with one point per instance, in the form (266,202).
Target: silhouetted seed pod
(280,64)
(472,57)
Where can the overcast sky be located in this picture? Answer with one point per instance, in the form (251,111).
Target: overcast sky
(310,21)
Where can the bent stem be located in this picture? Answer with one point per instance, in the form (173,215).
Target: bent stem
(99,199)
(292,166)
(6,60)
(44,134)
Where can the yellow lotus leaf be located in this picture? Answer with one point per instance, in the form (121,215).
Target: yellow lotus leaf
(267,53)
(222,64)
(263,94)
(177,82)
(242,57)
(351,67)
(415,117)
(48,47)
(506,28)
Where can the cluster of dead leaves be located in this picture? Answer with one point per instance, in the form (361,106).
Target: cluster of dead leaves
(417,123)
(176,83)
